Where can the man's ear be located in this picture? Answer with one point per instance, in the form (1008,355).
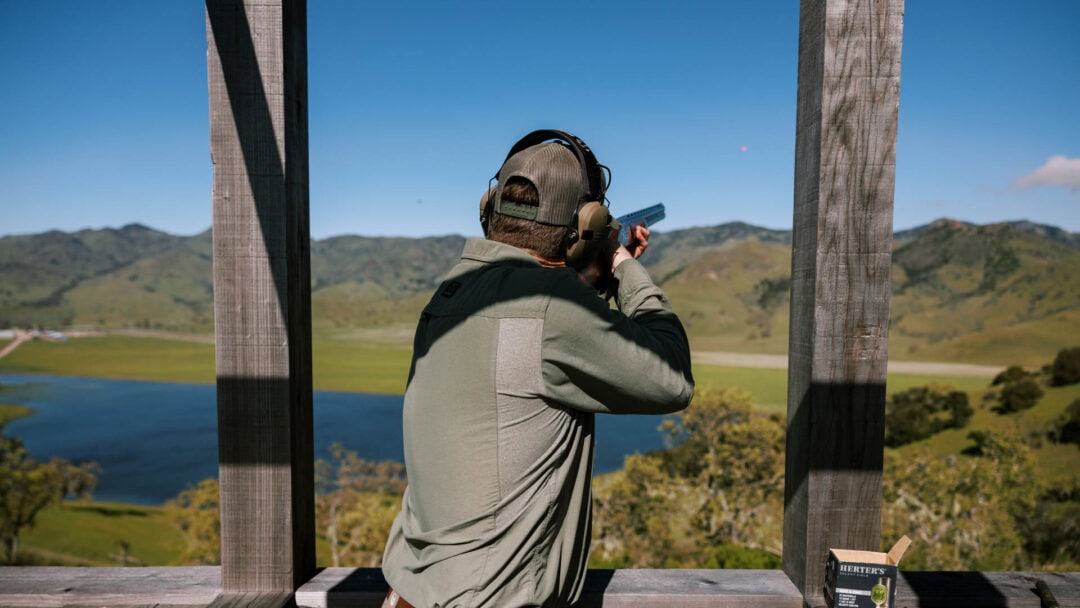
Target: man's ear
(485,210)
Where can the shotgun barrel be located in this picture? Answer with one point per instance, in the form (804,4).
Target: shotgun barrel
(643,217)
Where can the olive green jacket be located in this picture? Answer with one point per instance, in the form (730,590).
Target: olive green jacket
(510,362)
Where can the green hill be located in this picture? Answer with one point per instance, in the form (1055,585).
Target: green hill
(170,290)
(734,297)
(996,294)
(37,272)
(963,292)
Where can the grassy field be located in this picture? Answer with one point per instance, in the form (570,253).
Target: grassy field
(769,386)
(91,533)
(1030,344)
(1054,462)
(123,357)
(11,411)
(356,366)
(341,364)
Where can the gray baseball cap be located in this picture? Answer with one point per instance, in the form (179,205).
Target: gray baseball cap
(556,173)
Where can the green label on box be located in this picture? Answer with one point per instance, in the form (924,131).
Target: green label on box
(879,594)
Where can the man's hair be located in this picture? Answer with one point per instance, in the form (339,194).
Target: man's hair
(547,241)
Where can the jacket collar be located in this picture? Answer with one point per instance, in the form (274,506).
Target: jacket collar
(483,250)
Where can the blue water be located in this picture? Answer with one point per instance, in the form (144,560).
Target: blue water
(153,439)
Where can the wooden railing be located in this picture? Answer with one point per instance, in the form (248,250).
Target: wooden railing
(364,588)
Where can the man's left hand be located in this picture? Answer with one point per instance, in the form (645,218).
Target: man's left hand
(639,240)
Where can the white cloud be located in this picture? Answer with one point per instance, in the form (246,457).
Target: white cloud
(1057,171)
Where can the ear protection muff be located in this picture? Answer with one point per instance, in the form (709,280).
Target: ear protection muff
(592,172)
(591,223)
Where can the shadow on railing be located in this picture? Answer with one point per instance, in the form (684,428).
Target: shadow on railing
(365,587)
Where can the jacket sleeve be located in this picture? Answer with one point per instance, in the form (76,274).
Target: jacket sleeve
(634,360)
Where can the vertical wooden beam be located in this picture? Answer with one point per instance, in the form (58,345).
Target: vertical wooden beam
(848,94)
(257,63)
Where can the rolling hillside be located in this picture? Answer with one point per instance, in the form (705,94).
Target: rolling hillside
(963,292)
(38,272)
(1001,293)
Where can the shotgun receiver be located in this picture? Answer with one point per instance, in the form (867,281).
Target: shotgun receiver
(644,217)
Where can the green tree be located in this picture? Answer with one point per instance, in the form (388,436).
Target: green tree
(1020,395)
(1067,428)
(959,408)
(1010,374)
(356,501)
(27,487)
(1066,367)
(642,517)
(961,511)
(1052,529)
(735,459)
(714,497)
(195,511)
(919,412)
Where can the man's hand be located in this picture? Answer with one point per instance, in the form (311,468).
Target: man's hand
(598,271)
(639,240)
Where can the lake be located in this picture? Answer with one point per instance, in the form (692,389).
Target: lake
(153,439)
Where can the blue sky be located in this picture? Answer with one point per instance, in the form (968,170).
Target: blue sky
(414,104)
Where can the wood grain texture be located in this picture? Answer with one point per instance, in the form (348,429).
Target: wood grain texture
(365,587)
(984,589)
(44,587)
(848,95)
(257,64)
(361,587)
(253,599)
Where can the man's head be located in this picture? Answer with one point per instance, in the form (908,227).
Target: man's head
(540,189)
(546,241)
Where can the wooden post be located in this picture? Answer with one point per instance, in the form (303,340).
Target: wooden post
(848,94)
(257,62)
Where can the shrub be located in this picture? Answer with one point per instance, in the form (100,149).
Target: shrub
(961,512)
(918,413)
(1051,530)
(1012,373)
(713,499)
(1066,367)
(959,408)
(1067,429)
(1019,395)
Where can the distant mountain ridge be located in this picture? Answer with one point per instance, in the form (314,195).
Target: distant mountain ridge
(1053,233)
(955,285)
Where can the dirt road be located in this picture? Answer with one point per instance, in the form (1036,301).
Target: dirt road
(164,335)
(20,337)
(921,368)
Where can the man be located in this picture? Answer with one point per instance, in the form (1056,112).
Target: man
(512,357)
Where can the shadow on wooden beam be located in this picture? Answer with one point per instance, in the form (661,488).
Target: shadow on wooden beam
(365,587)
(832,487)
(262,167)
